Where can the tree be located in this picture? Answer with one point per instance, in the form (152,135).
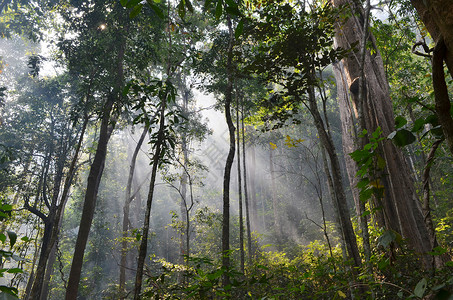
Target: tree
(400,196)
(112,102)
(293,47)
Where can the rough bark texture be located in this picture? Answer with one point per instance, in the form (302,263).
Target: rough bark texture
(400,191)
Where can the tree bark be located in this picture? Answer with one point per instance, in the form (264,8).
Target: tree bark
(94,178)
(340,197)
(443,105)
(126,209)
(146,223)
(247,203)
(241,210)
(229,160)
(377,110)
(437,15)
(277,223)
(438,259)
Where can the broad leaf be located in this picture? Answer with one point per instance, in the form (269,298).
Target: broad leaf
(135,11)
(420,288)
(156,9)
(239,29)
(219,9)
(402,137)
(12,238)
(400,122)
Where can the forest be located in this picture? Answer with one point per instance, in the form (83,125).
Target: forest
(226,149)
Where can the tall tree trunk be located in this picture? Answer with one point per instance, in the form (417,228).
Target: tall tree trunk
(340,197)
(126,209)
(145,232)
(277,223)
(241,210)
(253,201)
(229,160)
(438,259)
(377,112)
(334,203)
(51,251)
(94,178)
(247,204)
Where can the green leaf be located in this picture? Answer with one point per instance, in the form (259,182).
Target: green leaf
(400,122)
(132,3)
(12,238)
(239,29)
(418,125)
(432,119)
(219,9)
(420,288)
(135,11)
(402,137)
(387,237)
(123,3)
(181,9)
(8,293)
(15,270)
(207,3)
(2,237)
(156,9)
(234,11)
(6,207)
(438,251)
(189,5)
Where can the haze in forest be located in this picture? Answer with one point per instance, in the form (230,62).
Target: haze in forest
(226,149)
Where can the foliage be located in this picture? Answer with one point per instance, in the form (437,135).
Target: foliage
(7,256)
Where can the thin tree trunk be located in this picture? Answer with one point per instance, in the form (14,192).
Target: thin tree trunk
(229,160)
(126,209)
(241,210)
(145,232)
(334,203)
(340,198)
(247,205)
(277,224)
(60,213)
(438,259)
(253,205)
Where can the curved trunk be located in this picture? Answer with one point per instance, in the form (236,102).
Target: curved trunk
(229,161)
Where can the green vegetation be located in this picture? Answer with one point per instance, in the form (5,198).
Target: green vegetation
(226,149)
